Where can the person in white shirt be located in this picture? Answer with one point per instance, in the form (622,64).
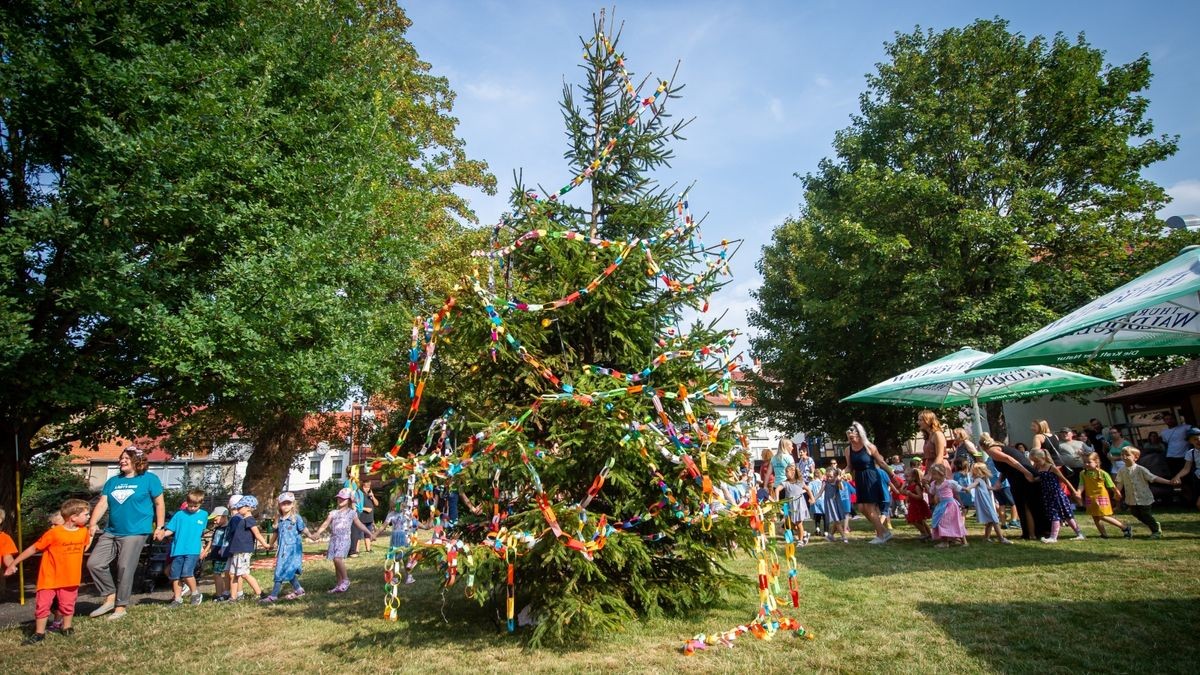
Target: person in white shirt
(1175,438)
(1189,474)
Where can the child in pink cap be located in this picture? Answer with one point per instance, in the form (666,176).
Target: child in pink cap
(339,522)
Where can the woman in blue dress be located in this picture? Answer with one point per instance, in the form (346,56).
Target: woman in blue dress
(863,457)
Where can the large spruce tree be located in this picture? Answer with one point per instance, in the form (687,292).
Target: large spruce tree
(605,504)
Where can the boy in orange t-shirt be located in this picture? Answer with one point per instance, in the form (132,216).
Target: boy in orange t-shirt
(62,550)
(8,549)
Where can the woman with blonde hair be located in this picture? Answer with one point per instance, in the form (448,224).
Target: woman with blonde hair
(935,441)
(781,460)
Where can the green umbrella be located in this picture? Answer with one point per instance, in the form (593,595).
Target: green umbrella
(945,383)
(1153,314)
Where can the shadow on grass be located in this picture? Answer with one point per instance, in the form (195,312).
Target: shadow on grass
(1145,635)
(843,564)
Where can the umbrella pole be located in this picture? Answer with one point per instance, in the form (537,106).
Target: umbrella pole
(976,422)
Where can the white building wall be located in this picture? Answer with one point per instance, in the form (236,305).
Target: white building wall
(1065,413)
(313,468)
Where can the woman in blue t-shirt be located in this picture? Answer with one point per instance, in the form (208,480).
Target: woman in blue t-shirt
(133,500)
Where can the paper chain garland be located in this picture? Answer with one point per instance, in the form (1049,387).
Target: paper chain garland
(435,461)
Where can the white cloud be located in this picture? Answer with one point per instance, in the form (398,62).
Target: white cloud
(775,107)
(491,91)
(823,82)
(1185,199)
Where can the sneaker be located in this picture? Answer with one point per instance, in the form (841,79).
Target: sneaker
(67,632)
(877,540)
(294,595)
(1049,540)
(1128,532)
(264,595)
(117,616)
(829,537)
(409,579)
(224,597)
(184,592)
(1015,524)
(177,602)
(1081,536)
(1156,535)
(1005,541)
(55,626)
(35,638)
(266,600)
(845,540)
(197,599)
(887,536)
(103,609)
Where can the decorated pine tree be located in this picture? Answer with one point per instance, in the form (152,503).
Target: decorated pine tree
(581,382)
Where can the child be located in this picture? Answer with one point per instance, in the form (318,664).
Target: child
(62,550)
(289,546)
(401,521)
(1133,482)
(243,533)
(818,504)
(985,508)
(962,476)
(947,516)
(339,522)
(8,548)
(918,508)
(885,507)
(795,490)
(1058,506)
(836,515)
(187,528)
(849,497)
(1096,486)
(217,550)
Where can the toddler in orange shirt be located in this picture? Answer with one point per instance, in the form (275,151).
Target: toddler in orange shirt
(62,550)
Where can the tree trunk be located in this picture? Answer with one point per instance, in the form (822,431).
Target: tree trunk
(995,418)
(278,442)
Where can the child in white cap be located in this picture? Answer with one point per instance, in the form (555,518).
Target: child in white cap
(216,549)
(339,522)
(290,531)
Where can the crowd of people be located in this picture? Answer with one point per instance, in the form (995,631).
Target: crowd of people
(1034,488)
(1006,487)
(226,539)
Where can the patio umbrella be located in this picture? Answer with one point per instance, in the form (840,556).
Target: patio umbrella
(946,383)
(1153,314)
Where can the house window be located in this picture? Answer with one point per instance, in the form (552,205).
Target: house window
(337,466)
(314,470)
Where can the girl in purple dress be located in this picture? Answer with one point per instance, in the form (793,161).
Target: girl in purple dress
(948,525)
(340,521)
(1059,508)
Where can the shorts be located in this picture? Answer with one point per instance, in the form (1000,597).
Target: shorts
(219,566)
(183,567)
(1004,497)
(239,564)
(367,518)
(66,601)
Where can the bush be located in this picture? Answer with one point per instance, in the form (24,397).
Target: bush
(316,504)
(51,481)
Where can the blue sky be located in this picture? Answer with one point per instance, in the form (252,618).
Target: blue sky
(769,84)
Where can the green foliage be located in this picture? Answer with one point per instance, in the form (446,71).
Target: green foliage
(669,563)
(989,183)
(222,218)
(50,482)
(318,502)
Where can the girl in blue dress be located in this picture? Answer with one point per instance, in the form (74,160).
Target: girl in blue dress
(290,531)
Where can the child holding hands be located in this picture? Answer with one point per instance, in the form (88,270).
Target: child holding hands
(243,535)
(1133,481)
(187,527)
(62,550)
(1058,506)
(289,549)
(339,522)
(1096,485)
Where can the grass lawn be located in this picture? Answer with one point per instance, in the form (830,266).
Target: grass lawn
(1091,606)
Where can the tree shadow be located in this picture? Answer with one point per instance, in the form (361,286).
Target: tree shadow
(1144,635)
(840,564)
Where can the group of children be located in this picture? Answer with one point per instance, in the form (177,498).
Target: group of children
(937,507)
(227,538)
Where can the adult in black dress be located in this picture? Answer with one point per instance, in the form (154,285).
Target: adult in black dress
(863,458)
(1013,465)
